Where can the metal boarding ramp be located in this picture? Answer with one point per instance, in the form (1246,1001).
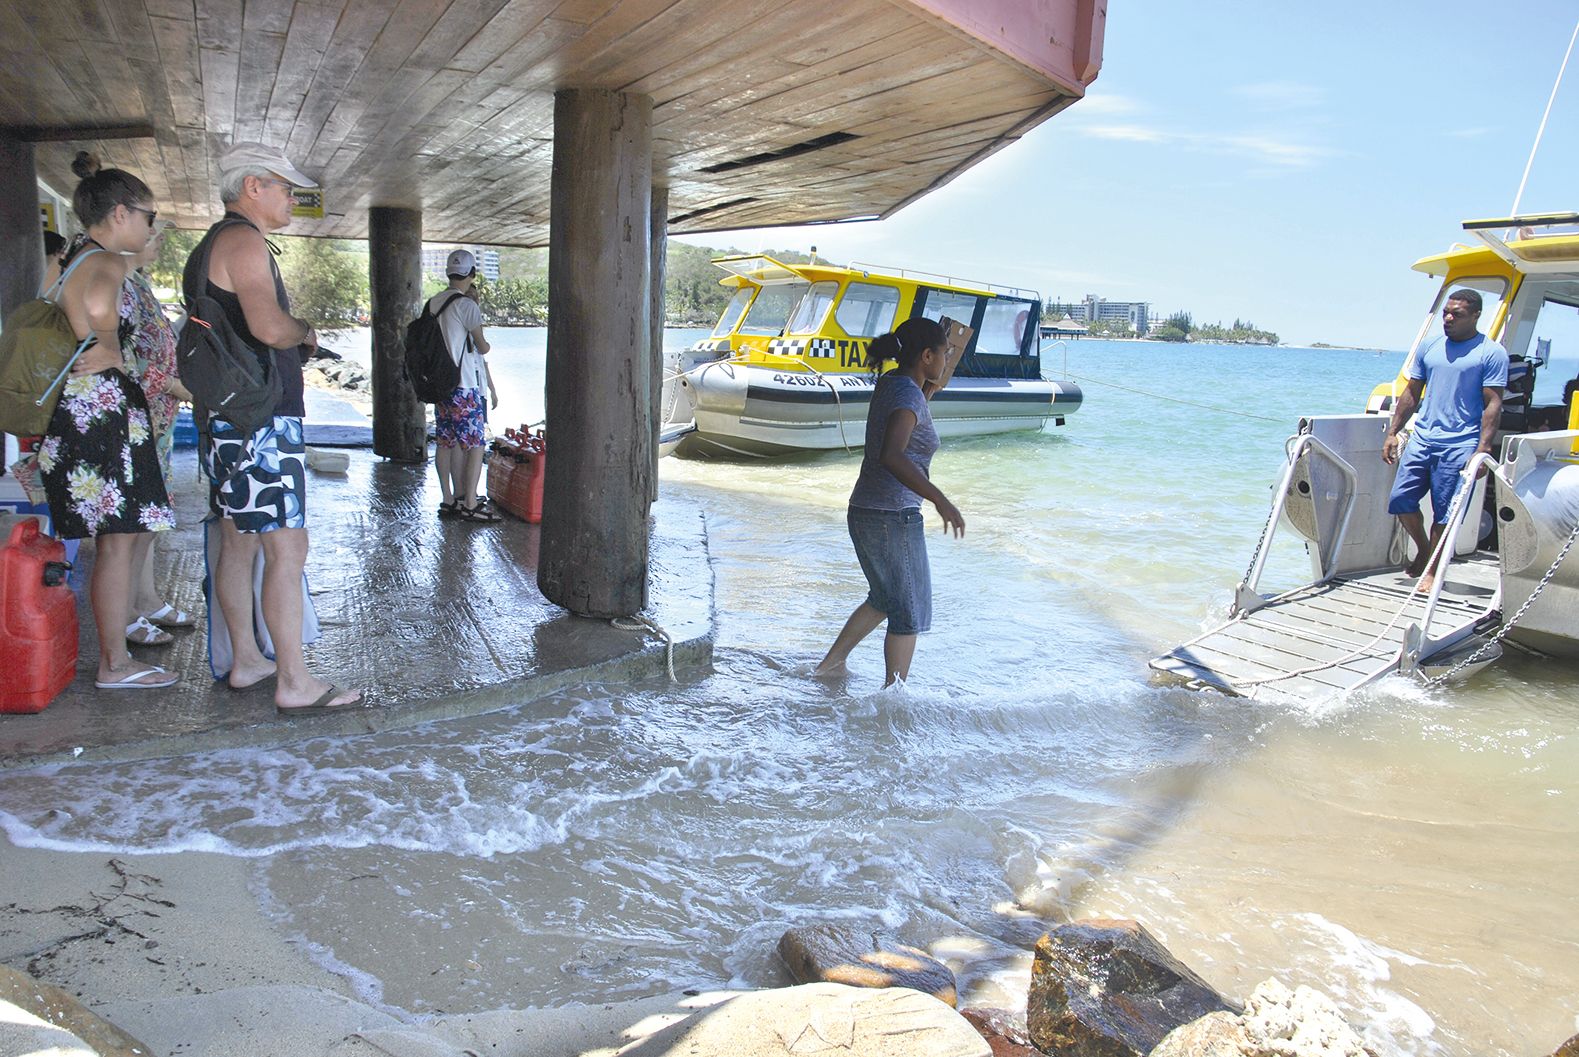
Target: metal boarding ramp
(1360,619)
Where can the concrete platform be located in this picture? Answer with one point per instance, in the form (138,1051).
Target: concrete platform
(432,619)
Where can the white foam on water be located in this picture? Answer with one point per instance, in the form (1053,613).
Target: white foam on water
(1360,968)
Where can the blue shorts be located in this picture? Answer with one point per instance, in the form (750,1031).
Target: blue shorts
(259,481)
(891,546)
(1422,467)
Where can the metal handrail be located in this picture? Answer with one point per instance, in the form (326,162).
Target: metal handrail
(1293,448)
(1458,514)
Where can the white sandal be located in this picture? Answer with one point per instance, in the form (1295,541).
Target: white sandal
(141,633)
(168,616)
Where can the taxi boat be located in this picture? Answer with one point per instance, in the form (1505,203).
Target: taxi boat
(785,371)
(1508,570)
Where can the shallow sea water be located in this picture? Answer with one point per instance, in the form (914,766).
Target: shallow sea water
(1409,852)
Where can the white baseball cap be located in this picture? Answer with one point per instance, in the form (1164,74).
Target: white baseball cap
(461,262)
(247,154)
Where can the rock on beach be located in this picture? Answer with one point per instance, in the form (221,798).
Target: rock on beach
(842,955)
(1106,988)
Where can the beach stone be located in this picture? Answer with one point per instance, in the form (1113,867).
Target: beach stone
(1004,1030)
(1299,1023)
(822,1019)
(1106,988)
(1214,1035)
(843,955)
(22,1034)
(59,1009)
(1568,1049)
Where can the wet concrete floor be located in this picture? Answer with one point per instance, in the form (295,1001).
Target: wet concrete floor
(432,619)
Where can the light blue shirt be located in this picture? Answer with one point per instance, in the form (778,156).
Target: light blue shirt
(1454,373)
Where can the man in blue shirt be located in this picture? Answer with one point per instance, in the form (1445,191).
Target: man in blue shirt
(1462,373)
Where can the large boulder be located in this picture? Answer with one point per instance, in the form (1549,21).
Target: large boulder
(1107,988)
(1004,1030)
(49,1004)
(825,1020)
(842,955)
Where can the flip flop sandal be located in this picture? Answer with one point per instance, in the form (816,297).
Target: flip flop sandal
(168,616)
(141,633)
(139,680)
(322,705)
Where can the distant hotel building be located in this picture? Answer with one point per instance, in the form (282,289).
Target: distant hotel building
(435,257)
(1096,309)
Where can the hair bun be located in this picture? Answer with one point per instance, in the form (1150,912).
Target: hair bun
(84,165)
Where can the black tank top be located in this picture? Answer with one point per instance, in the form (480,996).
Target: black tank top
(292,400)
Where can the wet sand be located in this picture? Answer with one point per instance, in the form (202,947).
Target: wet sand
(174,950)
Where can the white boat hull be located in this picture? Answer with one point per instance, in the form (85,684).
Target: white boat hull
(757,411)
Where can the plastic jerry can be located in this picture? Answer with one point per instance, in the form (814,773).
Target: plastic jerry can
(525,499)
(501,467)
(38,620)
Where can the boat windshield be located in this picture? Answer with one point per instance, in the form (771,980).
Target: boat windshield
(812,309)
(1004,326)
(733,311)
(770,311)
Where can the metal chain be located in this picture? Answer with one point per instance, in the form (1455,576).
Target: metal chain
(1511,623)
(1256,551)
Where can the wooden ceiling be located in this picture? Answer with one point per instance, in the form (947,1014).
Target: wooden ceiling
(765,111)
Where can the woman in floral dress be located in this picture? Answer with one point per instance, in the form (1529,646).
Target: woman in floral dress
(98,461)
(153,341)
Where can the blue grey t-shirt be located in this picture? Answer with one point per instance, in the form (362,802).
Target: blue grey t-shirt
(1454,373)
(876,488)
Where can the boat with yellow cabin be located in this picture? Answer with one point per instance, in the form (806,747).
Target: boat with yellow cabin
(785,368)
(1506,572)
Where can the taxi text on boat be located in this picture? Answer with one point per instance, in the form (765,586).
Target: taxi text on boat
(785,369)
(1507,571)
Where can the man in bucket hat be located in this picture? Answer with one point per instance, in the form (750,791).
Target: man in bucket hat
(262,502)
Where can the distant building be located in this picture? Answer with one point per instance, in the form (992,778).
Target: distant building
(435,257)
(1094,309)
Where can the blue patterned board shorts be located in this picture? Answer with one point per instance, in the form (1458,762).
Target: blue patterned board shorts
(461,421)
(891,546)
(258,481)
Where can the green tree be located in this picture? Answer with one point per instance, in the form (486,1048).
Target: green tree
(165,270)
(327,281)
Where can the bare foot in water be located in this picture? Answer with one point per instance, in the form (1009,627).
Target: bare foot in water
(247,678)
(830,671)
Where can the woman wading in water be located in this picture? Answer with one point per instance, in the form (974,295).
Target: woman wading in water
(885,519)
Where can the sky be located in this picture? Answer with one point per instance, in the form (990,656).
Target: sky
(1279,163)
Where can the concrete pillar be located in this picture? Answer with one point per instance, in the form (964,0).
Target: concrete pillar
(593,550)
(394,237)
(21,229)
(656,308)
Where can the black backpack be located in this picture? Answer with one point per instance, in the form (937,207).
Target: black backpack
(434,372)
(227,377)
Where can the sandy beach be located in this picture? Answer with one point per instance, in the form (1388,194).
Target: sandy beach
(173,949)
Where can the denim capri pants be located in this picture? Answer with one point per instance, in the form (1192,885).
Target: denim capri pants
(892,548)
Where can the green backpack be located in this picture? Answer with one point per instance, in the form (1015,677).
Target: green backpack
(37,349)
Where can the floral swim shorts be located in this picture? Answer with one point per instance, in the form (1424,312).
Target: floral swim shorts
(259,481)
(460,421)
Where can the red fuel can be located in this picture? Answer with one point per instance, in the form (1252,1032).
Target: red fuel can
(38,620)
(525,498)
(501,467)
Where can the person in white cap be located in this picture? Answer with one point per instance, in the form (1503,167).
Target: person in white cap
(262,501)
(460,423)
